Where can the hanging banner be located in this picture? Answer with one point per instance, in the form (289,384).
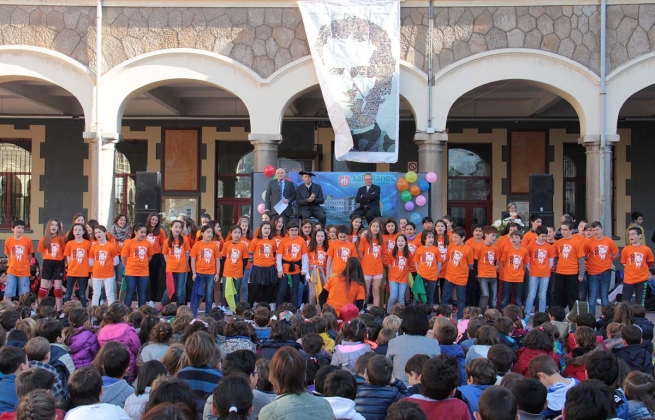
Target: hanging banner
(355,47)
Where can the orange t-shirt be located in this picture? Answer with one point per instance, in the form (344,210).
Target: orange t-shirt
(636,261)
(427,259)
(443,250)
(487,258)
(515,261)
(136,254)
(292,250)
(103,260)
(413,245)
(78,254)
(569,251)
(176,256)
(19,252)
(55,252)
(399,267)
(340,252)
(118,244)
(501,244)
(353,238)
(540,256)
(205,255)
(471,243)
(234,255)
(528,238)
(263,252)
(318,257)
(341,295)
(246,242)
(278,240)
(372,257)
(599,256)
(389,242)
(459,258)
(157,242)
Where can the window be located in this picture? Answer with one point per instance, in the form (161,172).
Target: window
(235,164)
(575,176)
(15,181)
(469,173)
(130,157)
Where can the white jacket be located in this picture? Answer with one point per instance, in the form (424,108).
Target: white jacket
(344,408)
(134,404)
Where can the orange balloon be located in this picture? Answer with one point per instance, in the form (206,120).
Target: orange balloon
(415,190)
(402,184)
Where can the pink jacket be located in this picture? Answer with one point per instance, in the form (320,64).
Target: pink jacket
(125,334)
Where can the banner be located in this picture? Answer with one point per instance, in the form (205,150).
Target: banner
(355,46)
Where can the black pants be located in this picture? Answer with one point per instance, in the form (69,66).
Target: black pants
(566,290)
(306,213)
(366,213)
(157,282)
(638,290)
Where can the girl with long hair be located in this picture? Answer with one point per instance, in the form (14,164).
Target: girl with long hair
(205,266)
(355,228)
(136,256)
(120,232)
(176,255)
(79,259)
(400,261)
(81,338)
(105,258)
(52,246)
(263,275)
(156,236)
(371,254)
(318,255)
(345,288)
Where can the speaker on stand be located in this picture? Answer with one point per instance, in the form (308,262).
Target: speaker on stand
(148,195)
(542,189)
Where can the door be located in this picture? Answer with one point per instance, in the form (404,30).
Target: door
(468,214)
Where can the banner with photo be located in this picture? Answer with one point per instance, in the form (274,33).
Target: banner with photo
(355,46)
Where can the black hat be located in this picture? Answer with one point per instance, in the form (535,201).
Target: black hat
(301,173)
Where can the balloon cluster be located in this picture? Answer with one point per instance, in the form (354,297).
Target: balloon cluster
(269,171)
(409,192)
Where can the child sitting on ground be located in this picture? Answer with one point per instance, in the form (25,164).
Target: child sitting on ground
(340,391)
(262,318)
(38,354)
(585,342)
(481,374)
(531,398)
(505,326)
(360,368)
(470,312)
(312,354)
(375,397)
(539,341)
(633,351)
(85,389)
(496,403)
(557,316)
(346,354)
(384,336)
(503,358)
(546,370)
(413,369)
(113,362)
(446,333)
(12,362)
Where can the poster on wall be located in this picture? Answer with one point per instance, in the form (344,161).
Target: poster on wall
(340,190)
(355,46)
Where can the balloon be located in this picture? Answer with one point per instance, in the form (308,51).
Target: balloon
(421,200)
(261,208)
(402,184)
(269,170)
(415,190)
(410,176)
(431,177)
(416,218)
(424,185)
(409,206)
(406,196)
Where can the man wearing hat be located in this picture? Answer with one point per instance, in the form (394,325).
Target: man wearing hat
(309,197)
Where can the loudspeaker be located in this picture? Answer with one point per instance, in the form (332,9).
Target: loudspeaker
(547,219)
(542,188)
(148,191)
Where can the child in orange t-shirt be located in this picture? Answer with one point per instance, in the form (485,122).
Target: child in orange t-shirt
(263,275)
(104,256)
(459,260)
(442,240)
(427,258)
(400,261)
(176,252)
(515,261)
(476,239)
(235,260)
(601,251)
(389,235)
(570,257)
(637,260)
(136,255)
(487,258)
(292,266)
(52,247)
(371,251)
(205,266)
(318,255)
(542,255)
(156,236)
(355,228)
(78,257)
(339,252)
(19,249)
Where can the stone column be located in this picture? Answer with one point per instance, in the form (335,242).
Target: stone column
(102,187)
(430,159)
(599,207)
(265,149)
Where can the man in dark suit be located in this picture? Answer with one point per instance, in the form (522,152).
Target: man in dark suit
(309,197)
(368,198)
(277,189)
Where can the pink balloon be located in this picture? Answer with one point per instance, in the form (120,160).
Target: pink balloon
(431,177)
(420,200)
(261,208)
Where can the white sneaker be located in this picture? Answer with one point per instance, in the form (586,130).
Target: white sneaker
(151,304)
(272,305)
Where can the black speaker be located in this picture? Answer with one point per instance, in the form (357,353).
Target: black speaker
(547,219)
(542,188)
(148,191)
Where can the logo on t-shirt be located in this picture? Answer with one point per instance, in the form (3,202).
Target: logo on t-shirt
(428,259)
(319,257)
(234,255)
(457,257)
(489,258)
(343,253)
(151,239)
(79,254)
(206,254)
(637,259)
(293,250)
(540,256)
(515,260)
(177,252)
(411,247)
(375,248)
(18,251)
(140,252)
(401,262)
(443,250)
(601,251)
(54,250)
(265,249)
(565,251)
(102,257)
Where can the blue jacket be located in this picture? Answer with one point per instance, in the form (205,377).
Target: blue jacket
(373,401)
(8,398)
(455,350)
(470,394)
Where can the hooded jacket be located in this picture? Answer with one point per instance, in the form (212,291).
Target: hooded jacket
(346,354)
(84,347)
(344,408)
(373,401)
(125,334)
(636,356)
(115,391)
(646,328)
(524,355)
(269,348)
(134,404)
(575,362)
(455,350)
(470,394)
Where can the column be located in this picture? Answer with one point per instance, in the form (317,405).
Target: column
(101,183)
(599,206)
(265,149)
(430,159)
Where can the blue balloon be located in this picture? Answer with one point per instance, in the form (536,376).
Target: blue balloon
(416,218)
(424,185)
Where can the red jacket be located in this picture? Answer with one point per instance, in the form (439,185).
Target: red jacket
(570,342)
(524,355)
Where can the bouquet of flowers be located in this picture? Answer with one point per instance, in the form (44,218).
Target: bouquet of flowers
(514,217)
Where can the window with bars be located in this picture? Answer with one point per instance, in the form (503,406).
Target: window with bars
(15,181)
(130,157)
(575,176)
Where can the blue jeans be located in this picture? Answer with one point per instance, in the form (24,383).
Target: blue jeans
(243,289)
(583,288)
(70,285)
(238,282)
(488,293)
(599,283)
(282,290)
(302,284)
(138,284)
(540,283)
(460,291)
(118,270)
(507,292)
(430,288)
(208,284)
(20,282)
(396,293)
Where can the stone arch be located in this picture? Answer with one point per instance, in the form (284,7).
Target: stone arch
(564,77)
(20,62)
(624,82)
